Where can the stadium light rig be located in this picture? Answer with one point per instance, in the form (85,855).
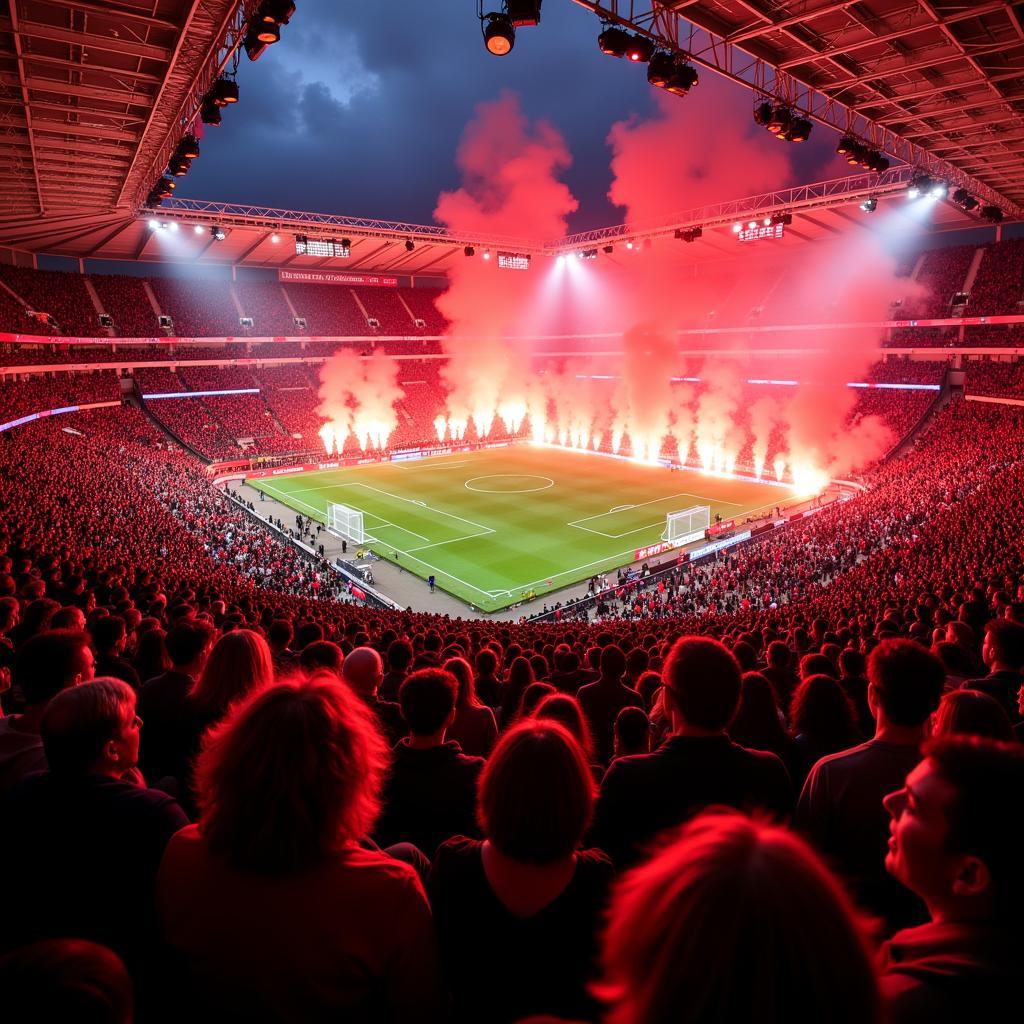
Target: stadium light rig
(499,27)
(859,154)
(265,26)
(782,122)
(869,205)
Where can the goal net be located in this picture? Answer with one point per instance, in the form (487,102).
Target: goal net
(688,525)
(346,522)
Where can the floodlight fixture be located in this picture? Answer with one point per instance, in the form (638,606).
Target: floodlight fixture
(763,113)
(275,238)
(469,251)
(199,229)
(799,130)
(683,80)
(499,33)
(224,91)
(613,41)
(608,249)
(154,224)
(640,49)
(869,204)
(209,113)
(179,165)
(661,67)
(780,120)
(992,213)
(737,228)
(217,233)
(188,147)
(171,225)
(409,245)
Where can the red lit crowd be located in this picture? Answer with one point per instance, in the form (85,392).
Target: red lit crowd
(787,787)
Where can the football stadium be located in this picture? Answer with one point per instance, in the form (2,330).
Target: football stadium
(510,510)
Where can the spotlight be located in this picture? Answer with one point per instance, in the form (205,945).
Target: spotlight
(782,218)
(869,204)
(737,228)
(224,91)
(179,165)
(487,254)
(938,190)
(172,225)
(613,41)
(752,224)
(913,192)
(661,68)
(877,163)
(964,198)
(640,49)
(846,144)
(499,34)
(275,238)
(277,12)
(780,120)
(209,113)
(608,249)
(763,114)
(469,251)
(199,229)
(164,188)
(799,130)
(154,225)
(992,213)
(255,43)
(689,234)
(344,248)
(266,32)
(218,234)
(409,245)
(683,80)
(856,155)
(767,221)
(560,258)
(630,245)
(188,147)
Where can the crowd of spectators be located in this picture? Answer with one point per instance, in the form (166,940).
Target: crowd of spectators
(124,299)
(943,273)
(63,296)
(265,303)
(283,807)
(997,379)
(197,306)
(327,309)
(42,392)
(385,306)
(998,288)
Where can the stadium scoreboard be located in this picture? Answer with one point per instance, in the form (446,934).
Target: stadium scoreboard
(324,248)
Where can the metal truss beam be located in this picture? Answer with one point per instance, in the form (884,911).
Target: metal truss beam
(707,44)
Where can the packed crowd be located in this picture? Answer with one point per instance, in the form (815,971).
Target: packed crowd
(284,808)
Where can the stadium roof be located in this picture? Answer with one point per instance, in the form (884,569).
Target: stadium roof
(921,79)
(95,95)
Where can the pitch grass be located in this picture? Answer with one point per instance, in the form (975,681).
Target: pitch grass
(500,525)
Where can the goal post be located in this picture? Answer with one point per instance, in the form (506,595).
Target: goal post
(346,522)
(686,526)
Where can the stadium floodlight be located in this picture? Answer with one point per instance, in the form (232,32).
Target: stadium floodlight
(188,147)
(780,120)
(869,204)
(179,166)
(799,130)
(938,190)
(763,113)
(154,224)
(209,113)
(224,91)
(199,229)
(920,185)
(487,254)
(275,238)
(164,188)
(737,228)
(992,213)
(964,198)
(613,41)
(846,145)
(683,80)
(767,221)
(469,251)
(877,163)
(409,245)
(524,13)
(217,233)
(499,33)
(640,49)
(608,249)
(171,225)
(752,224)
(661,68)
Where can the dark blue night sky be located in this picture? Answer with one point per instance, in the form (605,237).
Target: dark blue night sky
(360,107)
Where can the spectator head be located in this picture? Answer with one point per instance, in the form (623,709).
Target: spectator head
(778,654)
(822,711)
(38,615)
(632,732)
(702,683)
(613,662)
(815,665)
(486,662)
(427,697)
(957,841)
(10,614)
(852,664)
(566,710)
(92,729)
(50,662)
(238,664)
(1003,648)
(279,634)
(399,656)
(291,776)
(188,644)
(648,686)
(956,660)
(958,632)
(905,683)
(109,635)
(363,670)
(636,662)
(65,980)
(308,633)
(756,722)
(745,655)
(730,898)
(321,654)
(533,695)
(151,654)
(971,713)
(536,793)
(463,672)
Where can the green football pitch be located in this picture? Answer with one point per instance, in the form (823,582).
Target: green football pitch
(497,525)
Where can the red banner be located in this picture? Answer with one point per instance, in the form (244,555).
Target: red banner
(336,277)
